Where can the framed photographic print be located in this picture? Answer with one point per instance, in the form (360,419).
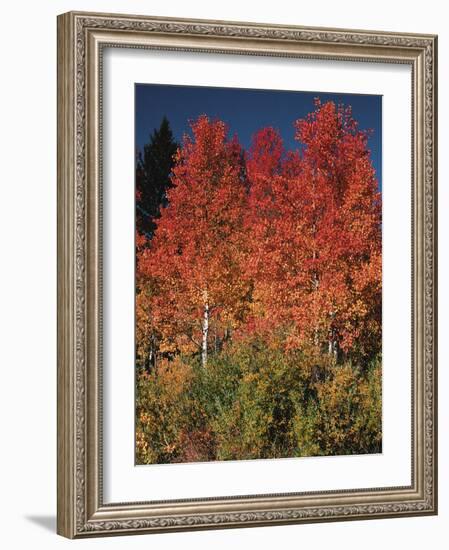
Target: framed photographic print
(246,274)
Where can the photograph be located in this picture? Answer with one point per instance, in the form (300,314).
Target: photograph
(258,274)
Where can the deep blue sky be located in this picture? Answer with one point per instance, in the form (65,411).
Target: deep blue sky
(246,111)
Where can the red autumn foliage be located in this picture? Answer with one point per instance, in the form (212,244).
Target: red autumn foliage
(276,240)
(194,259)
(315,225)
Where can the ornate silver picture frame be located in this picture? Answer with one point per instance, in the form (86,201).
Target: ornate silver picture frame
(82,40)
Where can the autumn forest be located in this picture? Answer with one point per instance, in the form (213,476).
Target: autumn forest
(258,292)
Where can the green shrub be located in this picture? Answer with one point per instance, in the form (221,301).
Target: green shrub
(255,402)
(346,417)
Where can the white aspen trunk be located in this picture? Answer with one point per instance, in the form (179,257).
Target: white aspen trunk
(332,350)
(332,340)
(205,332)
